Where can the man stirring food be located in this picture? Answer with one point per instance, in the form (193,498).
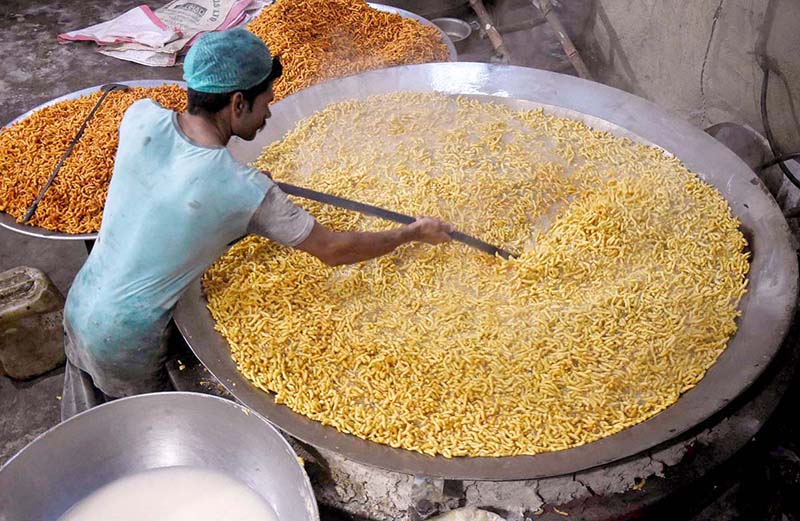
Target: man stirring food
(176,201)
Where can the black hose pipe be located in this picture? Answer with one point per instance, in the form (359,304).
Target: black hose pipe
(768,130)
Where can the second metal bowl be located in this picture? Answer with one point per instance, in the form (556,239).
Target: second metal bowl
(127,436)
(456,29)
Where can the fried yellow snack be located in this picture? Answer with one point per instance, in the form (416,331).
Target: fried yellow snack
(625,292)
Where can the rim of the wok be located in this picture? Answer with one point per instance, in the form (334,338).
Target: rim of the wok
(766,309)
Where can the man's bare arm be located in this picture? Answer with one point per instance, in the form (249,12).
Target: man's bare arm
(337,248)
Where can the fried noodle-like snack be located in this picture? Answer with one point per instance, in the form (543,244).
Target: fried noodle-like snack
(625,292)
(31,149)
(322,39)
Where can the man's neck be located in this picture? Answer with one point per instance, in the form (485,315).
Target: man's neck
(204,129)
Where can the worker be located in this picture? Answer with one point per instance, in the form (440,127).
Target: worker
(177,200)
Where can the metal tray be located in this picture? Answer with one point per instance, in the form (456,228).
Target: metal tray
(7,221)
(451,49)
(767,308)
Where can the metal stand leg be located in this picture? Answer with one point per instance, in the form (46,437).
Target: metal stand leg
(546,7)
(487,25)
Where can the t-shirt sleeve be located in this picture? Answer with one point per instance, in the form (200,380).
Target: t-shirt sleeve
(280,220)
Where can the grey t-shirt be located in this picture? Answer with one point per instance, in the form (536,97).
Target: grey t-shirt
(280,220)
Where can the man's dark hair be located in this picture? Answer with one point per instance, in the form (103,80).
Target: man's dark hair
(206,103)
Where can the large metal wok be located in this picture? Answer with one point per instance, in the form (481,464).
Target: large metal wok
(766,309)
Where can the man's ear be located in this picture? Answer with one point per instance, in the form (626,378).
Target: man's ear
(238,103)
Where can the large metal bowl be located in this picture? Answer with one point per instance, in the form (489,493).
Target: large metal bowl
(75,458)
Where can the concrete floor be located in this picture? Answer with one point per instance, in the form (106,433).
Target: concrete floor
(763,483)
